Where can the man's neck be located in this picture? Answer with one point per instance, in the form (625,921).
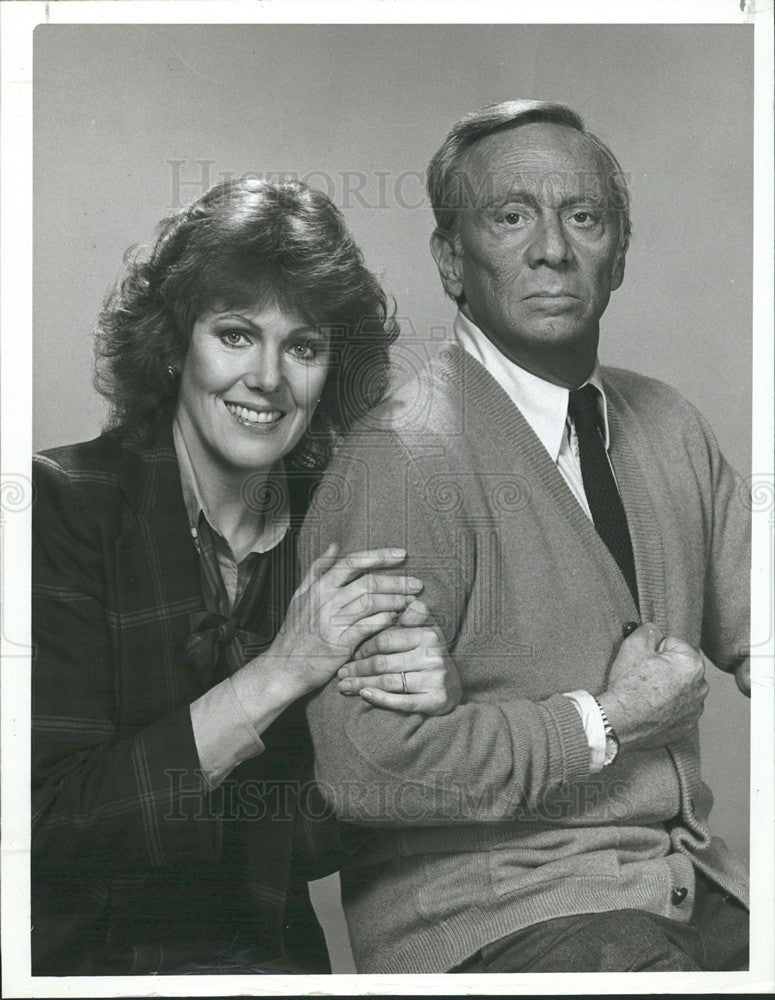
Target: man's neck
(568,366)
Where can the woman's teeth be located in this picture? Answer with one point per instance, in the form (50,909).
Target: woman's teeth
(246,416)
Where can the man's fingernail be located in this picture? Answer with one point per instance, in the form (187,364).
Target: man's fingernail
(414,584)
(345,686)
(628,628)
(398,553)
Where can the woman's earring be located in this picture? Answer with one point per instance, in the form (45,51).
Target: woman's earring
(172,371)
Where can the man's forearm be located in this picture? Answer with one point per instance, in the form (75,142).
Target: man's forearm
(479,763)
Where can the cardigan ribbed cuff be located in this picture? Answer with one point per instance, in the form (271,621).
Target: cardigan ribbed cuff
(573,757)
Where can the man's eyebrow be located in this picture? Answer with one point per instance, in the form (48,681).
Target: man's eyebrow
(518,195)
(585,198)
(514,195)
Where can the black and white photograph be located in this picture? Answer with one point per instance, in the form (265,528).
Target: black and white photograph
(387,418)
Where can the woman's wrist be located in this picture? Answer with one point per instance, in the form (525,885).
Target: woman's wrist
(265,688)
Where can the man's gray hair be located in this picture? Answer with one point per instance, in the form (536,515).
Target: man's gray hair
(444,181)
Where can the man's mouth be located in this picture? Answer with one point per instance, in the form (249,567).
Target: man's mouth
(552,303)
(250,417)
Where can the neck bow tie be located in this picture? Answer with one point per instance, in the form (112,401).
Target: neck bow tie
(212,634)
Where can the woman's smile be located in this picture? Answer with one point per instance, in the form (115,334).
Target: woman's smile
(253,418)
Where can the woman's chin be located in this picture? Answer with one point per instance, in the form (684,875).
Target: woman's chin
(257,461)
(258,446)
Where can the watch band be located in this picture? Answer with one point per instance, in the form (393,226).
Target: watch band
(611,739)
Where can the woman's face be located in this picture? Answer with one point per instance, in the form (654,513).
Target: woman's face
(249,385)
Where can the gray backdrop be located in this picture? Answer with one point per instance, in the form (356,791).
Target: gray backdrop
(131,121)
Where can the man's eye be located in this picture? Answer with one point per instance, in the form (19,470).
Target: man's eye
(512,218)
(583,218)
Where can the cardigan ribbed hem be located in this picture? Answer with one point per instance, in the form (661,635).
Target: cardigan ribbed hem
(442,946)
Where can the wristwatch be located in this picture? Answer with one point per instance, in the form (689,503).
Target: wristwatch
(611,739)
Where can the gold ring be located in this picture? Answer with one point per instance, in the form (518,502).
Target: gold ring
(403,682)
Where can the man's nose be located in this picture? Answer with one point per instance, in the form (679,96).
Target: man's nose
(549,245)
(265,371)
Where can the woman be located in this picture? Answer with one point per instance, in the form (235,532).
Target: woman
(173,817)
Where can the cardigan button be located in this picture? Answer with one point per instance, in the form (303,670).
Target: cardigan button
(679,895)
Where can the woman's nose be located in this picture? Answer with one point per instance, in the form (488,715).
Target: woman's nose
(265,373)
(549,245)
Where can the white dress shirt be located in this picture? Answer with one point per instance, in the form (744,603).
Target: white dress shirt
(544,406)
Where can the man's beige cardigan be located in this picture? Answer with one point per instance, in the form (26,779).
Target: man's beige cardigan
(487,820)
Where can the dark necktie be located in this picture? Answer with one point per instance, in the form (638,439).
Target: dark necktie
(603,497)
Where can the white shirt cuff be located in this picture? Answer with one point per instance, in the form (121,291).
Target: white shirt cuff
(592,720)
(223,732)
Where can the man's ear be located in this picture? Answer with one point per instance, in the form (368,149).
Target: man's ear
(617,269)
(449,261)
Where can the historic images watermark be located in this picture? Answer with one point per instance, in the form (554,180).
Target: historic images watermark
(405,189)
(441,798)
(375,189)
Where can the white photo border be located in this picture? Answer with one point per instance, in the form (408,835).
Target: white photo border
(18,21)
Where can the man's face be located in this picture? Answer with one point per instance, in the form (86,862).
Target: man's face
(536,250)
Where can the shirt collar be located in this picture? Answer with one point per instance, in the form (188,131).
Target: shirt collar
(270,529)
(543,404)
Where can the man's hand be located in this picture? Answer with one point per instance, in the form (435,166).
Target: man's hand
(656,689)
(743,676)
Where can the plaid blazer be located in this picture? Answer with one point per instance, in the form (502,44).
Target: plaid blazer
(136,867)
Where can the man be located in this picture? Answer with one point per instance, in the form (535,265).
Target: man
(584,547)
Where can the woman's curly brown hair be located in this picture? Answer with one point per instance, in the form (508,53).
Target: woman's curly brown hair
(246,243)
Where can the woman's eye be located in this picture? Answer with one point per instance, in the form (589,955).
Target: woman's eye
(304,351)
(233,337)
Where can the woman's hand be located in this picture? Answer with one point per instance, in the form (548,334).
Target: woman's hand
(405,668)
(340,603)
